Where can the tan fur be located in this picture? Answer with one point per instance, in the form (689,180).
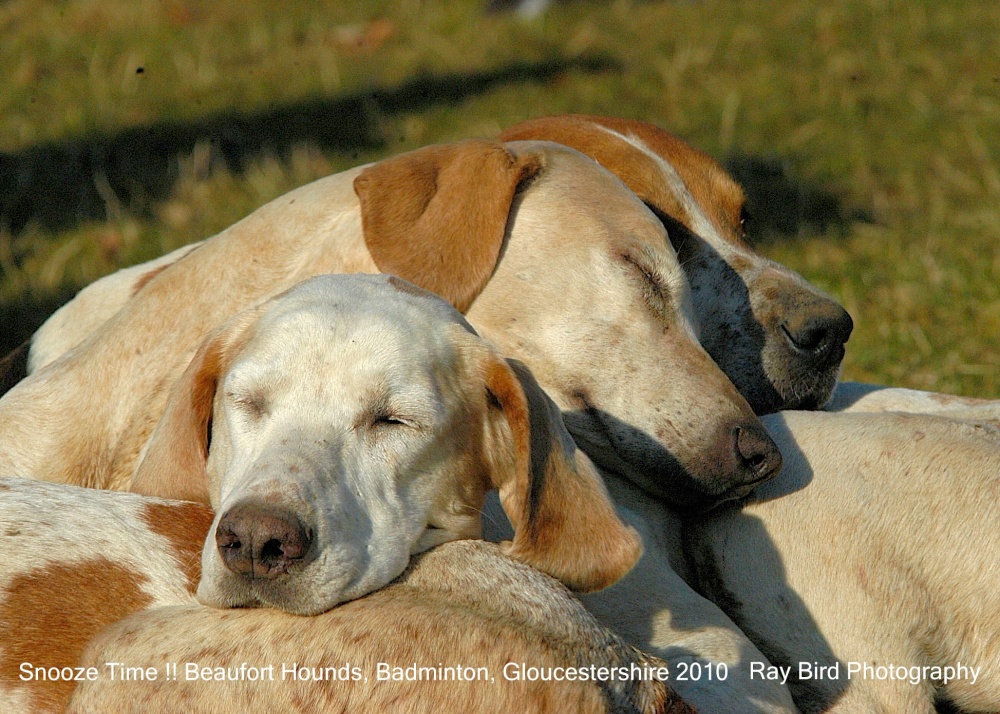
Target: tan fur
(50,614)
(84,559)
(573,197)
(587,553)
(712,188)
(268,264)
(93,306)
(860,397)
(655,610)
(584,270)
(173,461)
(415,227)
(461,604)
(146,277)
(89,558)
(184,525)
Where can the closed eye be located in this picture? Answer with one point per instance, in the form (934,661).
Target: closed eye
(388,429)
(253,406)
(656,294)
(384,411)
(391,420)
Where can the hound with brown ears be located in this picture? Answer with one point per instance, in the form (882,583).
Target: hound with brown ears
(654,609)
(778,338)
(562,297)
(754,317)
(90,558)
(690,191)
(353,421)
(338,428)
(552,258)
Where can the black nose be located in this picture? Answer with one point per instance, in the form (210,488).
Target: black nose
(258,540)
(757,453)
(819,331)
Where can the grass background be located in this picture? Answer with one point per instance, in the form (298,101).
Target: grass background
(866,131)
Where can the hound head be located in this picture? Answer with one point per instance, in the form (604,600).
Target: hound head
(353,421)
(778,338)
(589,294)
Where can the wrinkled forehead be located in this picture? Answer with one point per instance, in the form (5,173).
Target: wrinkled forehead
(581,186)
(577,202)
(355,326)
(675,177)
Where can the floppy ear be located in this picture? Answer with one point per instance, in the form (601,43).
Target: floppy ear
(173,464)
(437,216)
(564,522)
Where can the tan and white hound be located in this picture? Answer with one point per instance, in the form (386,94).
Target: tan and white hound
(550,256)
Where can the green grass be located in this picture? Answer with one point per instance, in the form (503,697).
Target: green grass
(884,116)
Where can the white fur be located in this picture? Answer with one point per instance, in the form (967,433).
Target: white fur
(353,421)
(46,523)
(342,408)
(877,544)
(91,308)
(777,337)
(700,222)
(654,609)
(474,606)
(860,397)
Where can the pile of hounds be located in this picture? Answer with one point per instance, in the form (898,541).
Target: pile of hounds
(511,425)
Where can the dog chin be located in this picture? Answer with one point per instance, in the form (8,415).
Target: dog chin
(286,600)
(224,598)
(816,397)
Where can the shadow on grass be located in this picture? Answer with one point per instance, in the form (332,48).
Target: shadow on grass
(58,185)
(19,320)
(783,206)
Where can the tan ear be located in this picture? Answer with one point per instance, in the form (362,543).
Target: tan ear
(564,522)
(173,465)
(437,216)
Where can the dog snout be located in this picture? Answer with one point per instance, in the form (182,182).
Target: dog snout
(819,331)
(258,540)
(757,455)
